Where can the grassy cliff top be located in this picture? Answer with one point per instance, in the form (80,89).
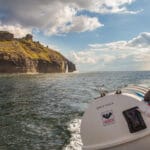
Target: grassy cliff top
(26,47)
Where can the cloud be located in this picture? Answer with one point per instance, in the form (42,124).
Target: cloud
(17,30)
(78,24)
(108,6)
(84,23)
(59,16)
(121,55)
(143,40)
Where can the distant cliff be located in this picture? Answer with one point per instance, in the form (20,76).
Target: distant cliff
(25,55)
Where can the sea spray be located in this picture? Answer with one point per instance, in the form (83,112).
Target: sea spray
(75,140)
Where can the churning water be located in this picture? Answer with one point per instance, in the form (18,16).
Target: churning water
(43,111)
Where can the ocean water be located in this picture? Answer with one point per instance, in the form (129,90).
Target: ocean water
(43,111)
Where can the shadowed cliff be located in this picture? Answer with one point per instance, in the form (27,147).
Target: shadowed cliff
(25,55)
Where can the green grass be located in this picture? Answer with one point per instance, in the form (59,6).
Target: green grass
(29,49)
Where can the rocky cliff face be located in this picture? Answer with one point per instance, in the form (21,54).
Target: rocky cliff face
(24,55)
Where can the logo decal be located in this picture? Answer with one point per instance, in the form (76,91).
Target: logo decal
(108,117)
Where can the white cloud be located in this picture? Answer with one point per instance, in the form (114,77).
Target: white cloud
(143,40)
(84,23)
(59,16)
(76,24)
(91,57)
(17,30)
(112,6)
(83,57)
(120,55)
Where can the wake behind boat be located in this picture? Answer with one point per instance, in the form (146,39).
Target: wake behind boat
(114,122)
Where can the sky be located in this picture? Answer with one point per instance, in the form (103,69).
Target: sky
(97,35)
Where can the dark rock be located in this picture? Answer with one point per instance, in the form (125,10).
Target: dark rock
(6,36)
(28,37)
(71,66)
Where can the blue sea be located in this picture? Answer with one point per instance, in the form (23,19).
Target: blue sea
(44,111)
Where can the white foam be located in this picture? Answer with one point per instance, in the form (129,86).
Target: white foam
(75,140)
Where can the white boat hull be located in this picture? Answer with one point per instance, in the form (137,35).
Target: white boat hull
(113,122)
(140,144)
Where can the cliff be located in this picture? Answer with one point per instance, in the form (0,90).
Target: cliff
(25,55)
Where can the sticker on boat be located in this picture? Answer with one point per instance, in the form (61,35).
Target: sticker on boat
(108,117)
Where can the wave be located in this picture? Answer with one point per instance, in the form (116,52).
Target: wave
(75,140)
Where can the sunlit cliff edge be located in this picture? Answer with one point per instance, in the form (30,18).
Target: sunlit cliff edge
(24,55)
